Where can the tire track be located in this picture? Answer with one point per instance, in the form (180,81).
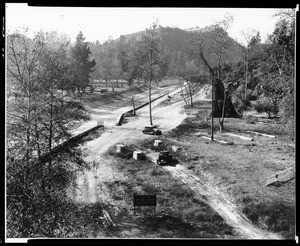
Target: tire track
(133,131)
(226,209)
(223,207)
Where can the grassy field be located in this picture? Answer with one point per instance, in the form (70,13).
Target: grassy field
(239,170)
(167,82)
(110,99)
(180,213)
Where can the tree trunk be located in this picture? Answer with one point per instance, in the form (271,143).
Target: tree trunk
(37,137)
(26,173)
(246,82)
(191,96)
(112,86)
(150,80)
(133,105)
(212,109)
(150,111)
(50,138)
(223,112)
(186,103)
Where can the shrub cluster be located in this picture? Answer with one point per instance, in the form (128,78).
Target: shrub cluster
(250,119)
(276,215)
(267,105)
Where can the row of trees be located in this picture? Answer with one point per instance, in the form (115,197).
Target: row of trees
(138,61)
(264,72)
(151,56)
(39,113)
(239,73)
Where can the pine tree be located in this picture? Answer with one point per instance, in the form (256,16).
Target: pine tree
(82,66)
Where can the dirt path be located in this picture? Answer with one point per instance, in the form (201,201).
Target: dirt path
(167,117)
(223,207)
(89,188)
(226,209)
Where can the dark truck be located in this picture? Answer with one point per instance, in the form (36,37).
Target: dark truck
(164,158)
(151,130)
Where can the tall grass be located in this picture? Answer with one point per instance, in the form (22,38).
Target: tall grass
(174,218)
(275,216)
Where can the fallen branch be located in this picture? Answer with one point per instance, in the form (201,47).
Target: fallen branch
(239,136)
(217,140)
(262,134)
(201,133)
(107,219)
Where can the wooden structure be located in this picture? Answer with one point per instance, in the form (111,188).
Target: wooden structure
(138,155)
(175,148)
(282,176)
(157,143)
(144,200)
(100,123)
(120,148)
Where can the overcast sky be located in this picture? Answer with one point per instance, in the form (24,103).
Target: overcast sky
(100,23)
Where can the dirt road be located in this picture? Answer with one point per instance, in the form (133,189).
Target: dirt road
(166,117)
(223,207)
(89,188)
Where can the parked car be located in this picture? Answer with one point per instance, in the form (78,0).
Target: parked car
(164,158)
(151,130)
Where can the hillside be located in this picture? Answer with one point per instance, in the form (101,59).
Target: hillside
(174,42)
(176,39)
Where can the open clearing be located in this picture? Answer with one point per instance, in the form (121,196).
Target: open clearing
(230,178)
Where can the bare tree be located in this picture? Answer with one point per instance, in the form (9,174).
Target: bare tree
(192,73)
(199,44)
(211,47)
(37,113)
(37,120)
(247,34)
(149,59)
(24,56)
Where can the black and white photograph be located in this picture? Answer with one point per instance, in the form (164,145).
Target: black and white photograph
(149,123)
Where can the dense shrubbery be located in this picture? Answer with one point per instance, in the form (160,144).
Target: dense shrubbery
(38,119)
(250,119)
(188,127)
(35,206)
(267,105)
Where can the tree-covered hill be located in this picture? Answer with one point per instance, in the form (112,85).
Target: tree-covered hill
(174,42)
